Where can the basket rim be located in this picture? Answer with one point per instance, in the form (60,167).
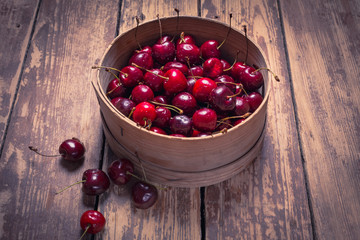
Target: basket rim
(100,92)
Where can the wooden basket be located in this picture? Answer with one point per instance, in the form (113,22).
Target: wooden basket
(177,161)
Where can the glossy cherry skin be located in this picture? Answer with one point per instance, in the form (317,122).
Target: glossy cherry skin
(226,67)
(161,99)
(254,99)
(163,116)
(196,71)
(157,130)
(219,98)
(154,80)
(186,102)
(209,49)
(227,81)
(177,135)
(142,93)
(177,65)
(124,105)
(94,220)
(130,76)
(242,106)
(190,84)
(146,49)
(238,121)
(163,52)
(96,182)
(163,39)
(180,124)
(204,120)
(185,39)
(144,195)
(144,113)
(72,149)
(176,81)
(142,59)
(116,89)
(212,68)
(251,80)
(202,89)
(237,70)
(120,171)
(188,52)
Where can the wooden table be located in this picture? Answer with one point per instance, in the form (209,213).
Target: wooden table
(304,184)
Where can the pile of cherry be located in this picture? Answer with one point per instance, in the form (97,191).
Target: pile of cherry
(96,182)
(176,88)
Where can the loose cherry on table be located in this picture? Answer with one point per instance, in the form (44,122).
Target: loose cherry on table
(70,150)
(144,195)
(92,221)
(120,171)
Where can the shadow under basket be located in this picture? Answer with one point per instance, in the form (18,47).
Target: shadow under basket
(180,161)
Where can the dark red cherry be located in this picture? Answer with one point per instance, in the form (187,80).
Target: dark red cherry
(142,93)
(163,52)
(124,105)
(222,98)
(144,113)
(209,49)
(176,65)
(95,182)
(157,130)
(130,76)
(202,89)
(143,60)
(254,99)
(92,221)
(237,70)
(190,84)
(153,80)
(251,79)
(180,124)
(226,67)
(72,149)
(161,99)
(196,71)
(115,89)
(204,120)
(163,116)
(163,39)
(188,53)
(212,68)
(184,38)
(176,81)
(186,102)
(120,171)
(144,195)
(242,106)
(146,49)
(227,81)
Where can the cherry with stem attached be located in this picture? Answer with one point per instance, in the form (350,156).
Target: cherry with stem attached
(92,221)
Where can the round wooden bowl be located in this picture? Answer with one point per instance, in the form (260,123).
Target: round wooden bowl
(177,161)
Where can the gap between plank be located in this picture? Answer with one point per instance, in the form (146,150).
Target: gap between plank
(312,218)
(20,76)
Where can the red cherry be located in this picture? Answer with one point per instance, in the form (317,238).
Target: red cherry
(163,39)
(142,93)
(212,68)
(146,49)
(227,81)
(115,89)
(196,71)
(163,116)
(176,65)
(120,171)
(237,70)
(92,221)
(161,99)
(188,53)
(222,98)
(202,89)
(254,99)
(153,80)
(176,81)
(226,67)
(186,102)
(251,79)
(163,52)
(144,113)
(177,135)
(144,195)
(124,105)
(205,119)
(130,76)
(72,149)
(180,124)
(143,60)
(95,182)
(185,39)
(242,106)
(209,49)
(158,130)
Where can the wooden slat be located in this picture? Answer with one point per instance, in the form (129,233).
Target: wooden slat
(55,102)
(323,40)
(176,215)
(16,18)
(269,199)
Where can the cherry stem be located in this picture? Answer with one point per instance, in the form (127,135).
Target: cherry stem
(143,179)
(70,186)
(131,112)
(41,154)
(135,65)
(235,61)
(172,107)
(264,68)
(247,42)
(86,229)
(109,68)
(223,122)
(226,34)
(236,117)
(137,26)
(159,25)
(112,90)
(177,22)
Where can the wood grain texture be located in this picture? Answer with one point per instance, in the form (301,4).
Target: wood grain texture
(269,199)
(176,215)
(323,41)
(16,19)
(55,101)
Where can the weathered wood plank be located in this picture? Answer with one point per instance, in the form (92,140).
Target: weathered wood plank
(55,102)
(323,40)
(16,19)
(268,200)
(176,215)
